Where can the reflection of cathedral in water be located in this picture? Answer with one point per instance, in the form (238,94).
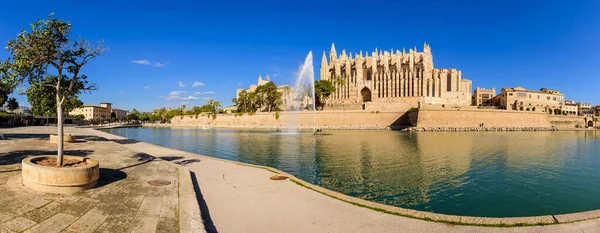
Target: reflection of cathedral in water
(392,167)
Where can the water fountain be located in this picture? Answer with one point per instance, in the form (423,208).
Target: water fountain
(303,89)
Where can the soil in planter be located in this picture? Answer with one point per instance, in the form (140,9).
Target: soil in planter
(51,162)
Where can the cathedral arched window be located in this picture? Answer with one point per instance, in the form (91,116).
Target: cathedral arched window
(369,75)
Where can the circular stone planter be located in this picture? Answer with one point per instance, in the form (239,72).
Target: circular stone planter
(66,138)
(59,179)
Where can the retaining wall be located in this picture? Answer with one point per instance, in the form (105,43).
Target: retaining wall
(304,120)
(441,118)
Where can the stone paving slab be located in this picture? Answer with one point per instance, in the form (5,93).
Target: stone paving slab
(123,201)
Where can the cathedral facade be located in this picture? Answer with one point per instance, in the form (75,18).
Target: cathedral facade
(400,77)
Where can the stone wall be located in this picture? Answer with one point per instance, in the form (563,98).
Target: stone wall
(397,116)
(324,120)
(460,117)
(567,121)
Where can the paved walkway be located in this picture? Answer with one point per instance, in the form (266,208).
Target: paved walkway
(238,198)
(123,201)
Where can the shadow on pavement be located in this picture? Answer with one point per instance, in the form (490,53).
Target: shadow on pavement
(171,158)
(142,157)
(124,141)
(9,136)
(205,213)
(91,138)
(108,176)
(187,161)
(14,157)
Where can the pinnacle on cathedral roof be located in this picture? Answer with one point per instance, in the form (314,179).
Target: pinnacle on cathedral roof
(333,52)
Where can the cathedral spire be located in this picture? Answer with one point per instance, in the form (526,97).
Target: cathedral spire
(324,61)
(332,53)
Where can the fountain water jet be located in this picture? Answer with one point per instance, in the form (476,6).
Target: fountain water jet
(303,90)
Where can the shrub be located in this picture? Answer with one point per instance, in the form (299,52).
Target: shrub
(181,117)
(277,115)
(376,111)
(527,109)
(3,116)
(196,116)
(533,109)
(241,113)
(521,108)
(443,105)
(250,113)
(214,116)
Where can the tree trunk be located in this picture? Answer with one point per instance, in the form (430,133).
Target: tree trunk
(59,111)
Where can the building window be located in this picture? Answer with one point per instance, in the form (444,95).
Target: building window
(530,96)
(538,96)
(509,94)
(554,98)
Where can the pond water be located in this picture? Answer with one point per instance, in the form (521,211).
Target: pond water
(493,174)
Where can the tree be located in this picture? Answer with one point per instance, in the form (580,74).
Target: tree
(46,52)
(144,116)
(161,114)
(173,113)
(135,112)
(154,118)
(5,88)
(213,106)
(132,117)
(323,89)
(12,104)
(42,97)
(267,94)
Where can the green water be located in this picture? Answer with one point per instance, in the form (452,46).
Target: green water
(495,174)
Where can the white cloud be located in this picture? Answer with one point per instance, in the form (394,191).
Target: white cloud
(181,84)
(178,93)
(141,62)
(205,93)
(239,84)
(157,64)
(198,84)
(147,87)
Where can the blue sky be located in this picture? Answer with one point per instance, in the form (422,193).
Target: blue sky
(225,45)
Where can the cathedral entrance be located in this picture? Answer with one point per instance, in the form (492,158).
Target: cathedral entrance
(366,94)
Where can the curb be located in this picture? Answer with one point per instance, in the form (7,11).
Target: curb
(190,219)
